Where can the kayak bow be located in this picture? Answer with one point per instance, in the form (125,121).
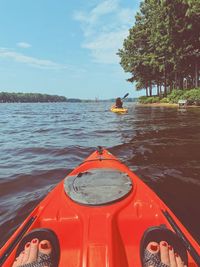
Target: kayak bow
(99,214)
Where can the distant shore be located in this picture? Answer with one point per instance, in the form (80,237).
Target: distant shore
(157,105)
(19,97)
(165,105)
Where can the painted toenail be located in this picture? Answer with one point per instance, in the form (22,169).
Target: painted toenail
(170,247)
(34,241)
(164,244)
(27,245)
(176,254)
(154,247)
(44,246)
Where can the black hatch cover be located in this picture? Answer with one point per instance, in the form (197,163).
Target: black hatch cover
(98,186)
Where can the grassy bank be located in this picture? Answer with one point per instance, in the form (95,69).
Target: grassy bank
(192,96)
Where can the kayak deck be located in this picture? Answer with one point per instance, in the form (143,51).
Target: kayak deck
(119,110)
(100,235)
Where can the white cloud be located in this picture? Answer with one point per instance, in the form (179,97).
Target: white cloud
(104,47)
(105,26)
(31,61)
(126,16)
(91,17)
(23,45)
(105,7)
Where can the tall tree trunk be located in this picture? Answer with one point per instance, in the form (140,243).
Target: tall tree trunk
(150,88)
(165,87)
(176,81)
(146,91)
(171,87)
(196,74)
(165,81)
(157,89)
(181,82)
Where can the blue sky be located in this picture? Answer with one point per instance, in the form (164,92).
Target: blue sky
(65,47)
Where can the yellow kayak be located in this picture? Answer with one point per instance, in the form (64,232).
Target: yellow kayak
(119,110)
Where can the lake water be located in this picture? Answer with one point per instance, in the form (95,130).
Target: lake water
(41,143)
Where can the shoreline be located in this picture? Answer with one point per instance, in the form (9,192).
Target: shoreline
(165,105)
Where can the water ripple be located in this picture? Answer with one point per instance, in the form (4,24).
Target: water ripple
(41,143)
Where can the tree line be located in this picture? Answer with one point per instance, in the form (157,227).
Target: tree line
(163,47)
(29,98)
(6,97)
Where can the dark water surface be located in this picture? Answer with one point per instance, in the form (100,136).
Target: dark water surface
(41,143)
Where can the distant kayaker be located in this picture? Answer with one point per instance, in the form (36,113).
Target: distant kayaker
(118,103)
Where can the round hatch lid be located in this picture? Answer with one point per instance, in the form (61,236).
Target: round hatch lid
(98,186)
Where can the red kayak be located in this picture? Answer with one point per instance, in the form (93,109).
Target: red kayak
(99,214)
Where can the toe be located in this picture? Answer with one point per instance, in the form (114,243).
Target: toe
(45,247)
(18,260)
(33,253)
(153,247)
(26,253)
(45,256)
(179,262)
(164,253)
(172,257)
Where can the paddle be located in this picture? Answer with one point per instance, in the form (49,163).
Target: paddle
(125,96)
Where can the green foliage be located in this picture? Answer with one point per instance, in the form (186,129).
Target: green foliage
(149,100)
(192,96)
(29,98)
(175,96)
(165,100)
(143,99)
(163,47)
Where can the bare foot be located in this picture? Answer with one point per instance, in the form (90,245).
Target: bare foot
(162,255)
(35,252)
